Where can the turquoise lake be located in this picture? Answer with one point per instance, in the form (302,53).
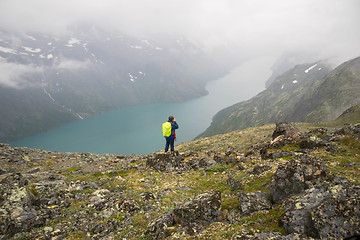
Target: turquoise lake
(137,130)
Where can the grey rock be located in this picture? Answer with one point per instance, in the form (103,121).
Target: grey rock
(165,162)
(203,208)
(245,235)
(285,129)
(258,169)
(157,229)
(326,212)
(234,183)
(253,202)
(297,175)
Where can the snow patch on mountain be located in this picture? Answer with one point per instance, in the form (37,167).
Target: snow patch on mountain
(32,50)
(132,78)
(136,46)
(137,75)
(32,38)
(73,41)
(147,42)
(92,54)
(62,106)
(48,94)
(307,70)
(7,50)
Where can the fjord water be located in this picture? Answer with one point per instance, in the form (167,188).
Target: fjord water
(137,130)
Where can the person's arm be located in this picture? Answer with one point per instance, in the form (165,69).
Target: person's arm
(175,125)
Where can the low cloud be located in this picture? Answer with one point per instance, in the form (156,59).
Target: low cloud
(15,75)
(68,64)
(254,27)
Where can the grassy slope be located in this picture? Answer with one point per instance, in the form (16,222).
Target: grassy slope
(112,175)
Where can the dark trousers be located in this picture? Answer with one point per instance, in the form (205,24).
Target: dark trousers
(169,142)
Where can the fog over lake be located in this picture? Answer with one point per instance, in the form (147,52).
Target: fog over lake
(137,130)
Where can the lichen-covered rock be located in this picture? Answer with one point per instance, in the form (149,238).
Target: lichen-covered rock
(128,205)
(253,202)
(202,162)
(203,208)
(259,169)
(17,208)
(234,183)
(297,175)
(310,141)
(158,229)
(245,235)
(285,129)
(326,212)
(147,196)
(350,130)
(165,162)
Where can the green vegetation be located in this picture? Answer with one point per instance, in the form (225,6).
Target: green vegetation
(264,221)
(346,160)
(33,190)
(231,202)
(218,168)
(258,184)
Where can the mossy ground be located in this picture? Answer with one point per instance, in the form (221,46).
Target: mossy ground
(171,189)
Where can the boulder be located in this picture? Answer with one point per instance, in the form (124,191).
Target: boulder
(245,235)
(310,141)
(17,209)
(158,229)
(325,211)
(191,216)
(350,130)
(259,169)
(234,183)
(253,202)
(295,176)
(203,209)
(285,129)
(164,162)
(202,162)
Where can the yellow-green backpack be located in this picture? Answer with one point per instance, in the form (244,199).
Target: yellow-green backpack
(166,129)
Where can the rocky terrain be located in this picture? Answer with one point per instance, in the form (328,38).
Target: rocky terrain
(283,181)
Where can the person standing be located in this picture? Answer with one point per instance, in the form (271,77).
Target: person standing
(170,140)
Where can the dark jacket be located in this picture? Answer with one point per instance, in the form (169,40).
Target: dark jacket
(174,126)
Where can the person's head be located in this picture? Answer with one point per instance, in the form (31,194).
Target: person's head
(171,118)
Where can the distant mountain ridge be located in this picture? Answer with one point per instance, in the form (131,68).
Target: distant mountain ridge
(54,80)
(306,93)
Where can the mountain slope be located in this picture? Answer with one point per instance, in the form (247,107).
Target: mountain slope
(328,100)
(48,80)
(306,93)
(351,115)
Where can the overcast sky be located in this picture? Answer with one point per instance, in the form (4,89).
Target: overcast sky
(330,27)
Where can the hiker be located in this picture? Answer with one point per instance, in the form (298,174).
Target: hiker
(169,133)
